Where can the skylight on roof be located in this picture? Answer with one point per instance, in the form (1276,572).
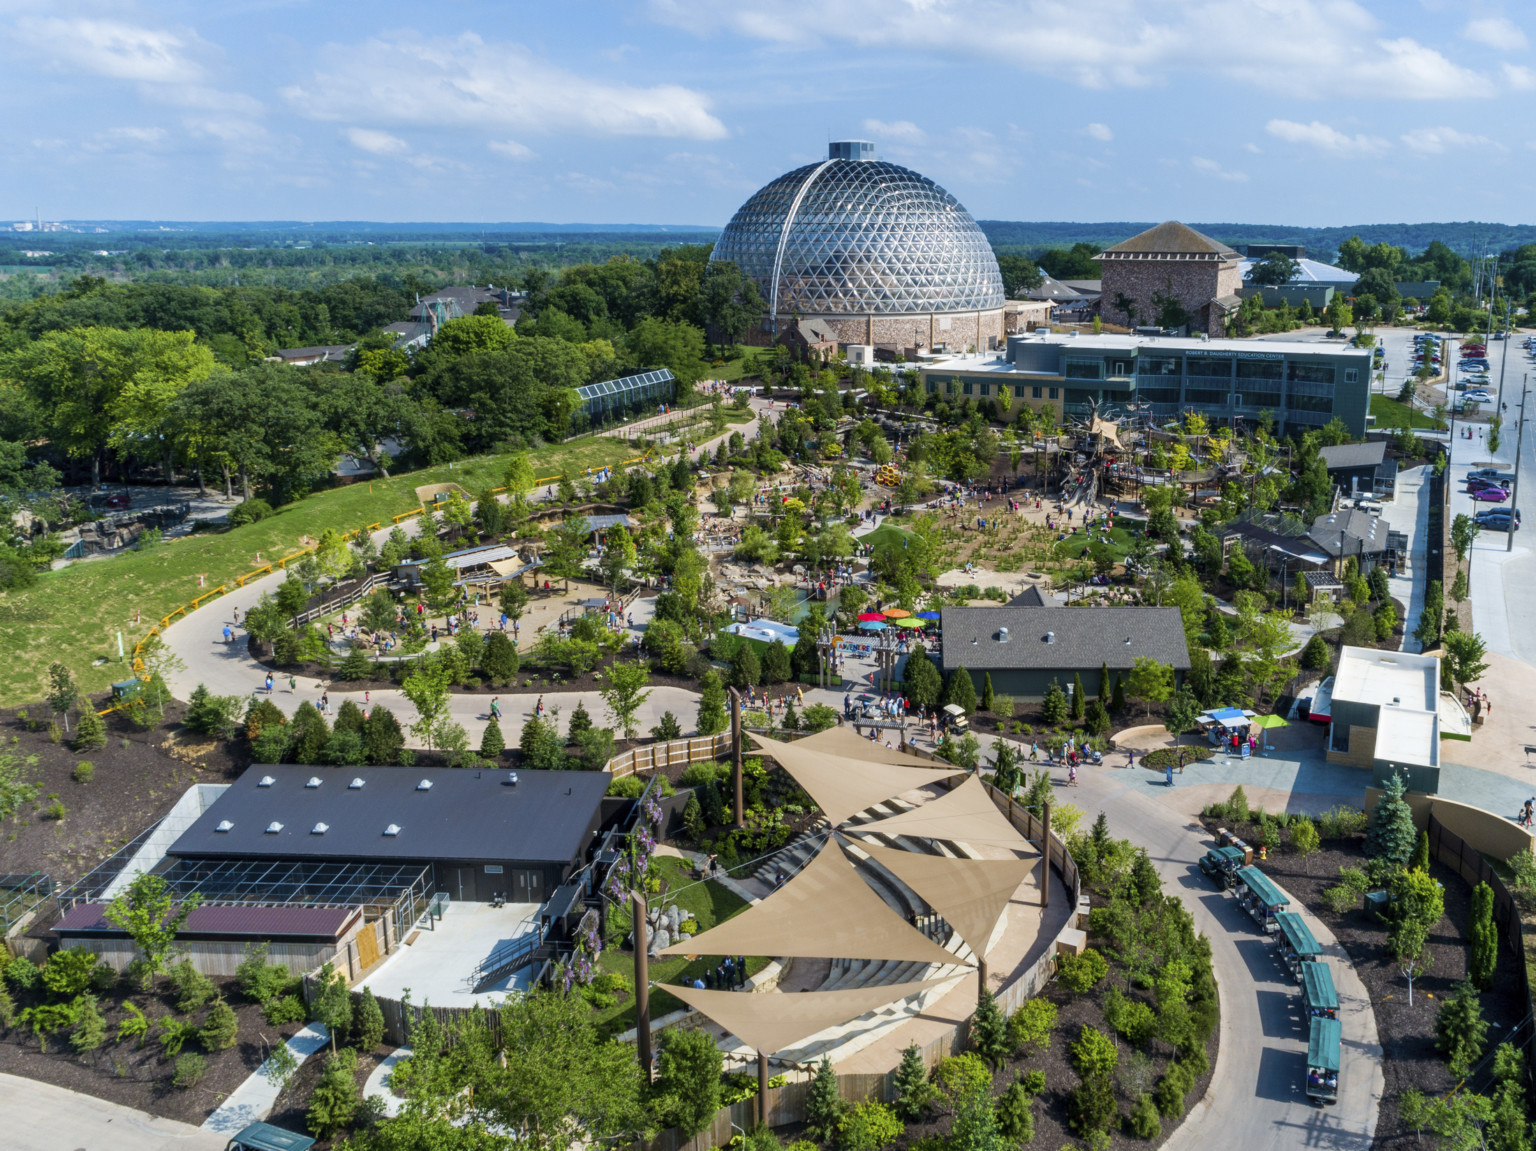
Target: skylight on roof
(392,829)
(274,827)
(313,781)
(356,783)
(265,781)
(225,825)
(424,785)
(320,829)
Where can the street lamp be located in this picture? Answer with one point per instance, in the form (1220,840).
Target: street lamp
(1514,488)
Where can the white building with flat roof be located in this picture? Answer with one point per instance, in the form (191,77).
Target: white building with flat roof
(1386,715)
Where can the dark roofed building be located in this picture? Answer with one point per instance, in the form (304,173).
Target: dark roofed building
(1347,532)
(1024,649)
(291,924)
(1170,268)
(1360,469)
(482,833)
(1032,596)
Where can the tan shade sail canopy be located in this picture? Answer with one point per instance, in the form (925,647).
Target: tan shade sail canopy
(505,568)
(774,1021)
(966,814)
(845,742)
(825,912)
(971,894)
(843,787)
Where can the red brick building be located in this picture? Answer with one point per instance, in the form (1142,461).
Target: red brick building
(1171,276)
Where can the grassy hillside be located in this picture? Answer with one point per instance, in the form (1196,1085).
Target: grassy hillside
(75,615)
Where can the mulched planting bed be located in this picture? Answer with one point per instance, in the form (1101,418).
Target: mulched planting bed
(138,776)
(1051,1130)
(1407,1033)
(141,1076)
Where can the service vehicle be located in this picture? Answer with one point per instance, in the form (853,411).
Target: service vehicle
(1295,942)
(1323,1042)
(1260,898)
(1319,999)
(1222,864)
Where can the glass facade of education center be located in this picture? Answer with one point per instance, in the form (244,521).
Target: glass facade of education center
(1299,385)
(614,397)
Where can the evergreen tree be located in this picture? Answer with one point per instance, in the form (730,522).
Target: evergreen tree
(368,1022)
(1015,1118)
(913,1091)
(989,1030)
(1053,707)
(746,669)
(776,663)
(90,1028)
(688,1078)
(1005,767)
(1097,721)
(1484,939)
(920,679)
(666,727)
(1391,835)
(1117,703)
(90,731)
(1079,704)
(1420,861)
(712,716)
(349,717)
(220,1028)
(581,720)
(540,746)
(311,734)
(1316,656)
(382,737)
(987,698)
(1104,685)
(823,1104)
(335,1101)
(500,661)
(1461,1030)
(974,1127)
(961,690)
(492,743)
(355,665)
(693,816)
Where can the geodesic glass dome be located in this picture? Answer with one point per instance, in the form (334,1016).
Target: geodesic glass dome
(853,236)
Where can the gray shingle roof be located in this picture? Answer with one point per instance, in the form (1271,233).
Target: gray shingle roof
(1366,455)
(465,815)
(1080,637)
(1032,596)
(1363,534)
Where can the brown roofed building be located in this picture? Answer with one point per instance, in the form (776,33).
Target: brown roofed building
(1171,276)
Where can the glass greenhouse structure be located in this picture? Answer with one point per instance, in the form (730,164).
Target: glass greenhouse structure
(611,397)
(855,236)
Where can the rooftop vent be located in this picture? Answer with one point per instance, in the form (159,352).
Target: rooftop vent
(392,829)
(355,784)
(313,781)
(265,781)
(1050,637)
(512,778)
(225,825)
(1002,635)
(424,785)
(320,829)
(274,827)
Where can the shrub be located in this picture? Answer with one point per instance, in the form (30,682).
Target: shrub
(1339,822)
(958,1074)
(1304,837)
(1340,898)
(174,1033)
(7,1009)
(134,1026)
(336,1098)
(1132,1019)
(1144,1121)
(84,771)
(868,1127)
(56,811)
(913,1091)
(989,1030)
(259,980)
(68,973)
(191,986)
(1460,1029)
(249,512)
(189,1068)
(219,1029)
(1093,1054)
(287,1009)
(1031,1025)
(1080,974)
(1176,1083)
(1483,937)
(23,974)
(1091,1106)
(90,1028)
(1237,805)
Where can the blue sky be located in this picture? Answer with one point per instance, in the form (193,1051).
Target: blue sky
(1310,112)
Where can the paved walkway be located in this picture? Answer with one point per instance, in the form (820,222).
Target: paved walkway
(252,1101)
(1408,512)
(41,1117)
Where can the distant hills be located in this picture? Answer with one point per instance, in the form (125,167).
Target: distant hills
(1468,239)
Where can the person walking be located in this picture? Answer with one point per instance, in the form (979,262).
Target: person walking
(293,685)
(229,635)
(1168,778)
(268,683)
(325,702)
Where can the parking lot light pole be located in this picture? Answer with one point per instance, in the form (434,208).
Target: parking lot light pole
(1514,488)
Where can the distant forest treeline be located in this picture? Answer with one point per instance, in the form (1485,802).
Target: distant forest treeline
(1466,239)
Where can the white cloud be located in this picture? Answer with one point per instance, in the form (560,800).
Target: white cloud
(1212,168)
(1325,138)
(1496,32)
(1518,77)
(1325,48)
(406,78)
(1437,140)
(1254,148)
(114,49)
(897,131)
(1099,132)
(511,148)
(136,135)
(379,143)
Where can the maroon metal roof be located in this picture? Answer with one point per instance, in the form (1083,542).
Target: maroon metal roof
(206,922)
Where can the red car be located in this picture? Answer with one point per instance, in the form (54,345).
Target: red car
(1491,495)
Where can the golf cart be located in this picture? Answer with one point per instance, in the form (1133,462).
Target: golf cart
(955,721)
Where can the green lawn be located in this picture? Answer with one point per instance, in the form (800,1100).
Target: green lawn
(1391,414)
(1076,544)
(709,903)
(75,615)
(736,368)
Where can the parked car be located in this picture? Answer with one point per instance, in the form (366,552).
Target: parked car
(1491,495)
(1478,396)
(1474,483)
(1498,523)
(1491,474)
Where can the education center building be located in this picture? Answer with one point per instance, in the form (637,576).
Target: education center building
(1301,385)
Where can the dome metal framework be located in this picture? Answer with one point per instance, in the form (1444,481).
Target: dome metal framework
(860,237)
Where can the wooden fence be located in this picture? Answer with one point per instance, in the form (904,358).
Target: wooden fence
(699,749)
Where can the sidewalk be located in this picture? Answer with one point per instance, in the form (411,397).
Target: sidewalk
(41,1117)
(252,1101)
